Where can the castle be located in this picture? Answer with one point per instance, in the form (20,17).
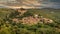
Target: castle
(21,11)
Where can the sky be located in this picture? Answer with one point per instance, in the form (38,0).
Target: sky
(30,3)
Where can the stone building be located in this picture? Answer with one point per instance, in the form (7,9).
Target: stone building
(22,11)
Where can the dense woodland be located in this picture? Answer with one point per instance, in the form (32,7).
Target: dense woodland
(9,27)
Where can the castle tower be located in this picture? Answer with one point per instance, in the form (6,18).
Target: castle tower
(22,11)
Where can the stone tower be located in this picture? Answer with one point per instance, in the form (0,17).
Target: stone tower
(22,11)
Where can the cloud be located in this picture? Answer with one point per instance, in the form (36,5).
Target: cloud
(51,3)
(31,3)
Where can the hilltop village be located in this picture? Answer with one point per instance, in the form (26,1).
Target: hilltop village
(24,17)
(29,21)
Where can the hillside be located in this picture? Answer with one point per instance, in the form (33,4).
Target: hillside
(8,26)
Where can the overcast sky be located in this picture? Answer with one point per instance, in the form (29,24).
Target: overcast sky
(36,3)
